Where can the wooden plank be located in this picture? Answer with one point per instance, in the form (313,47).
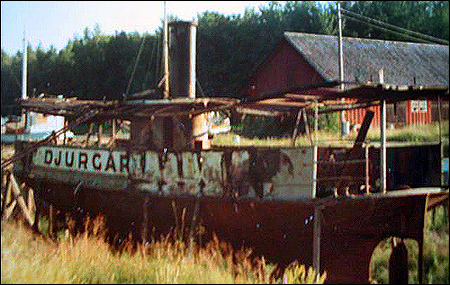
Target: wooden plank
(6,199)
(9,209)
(308,134)
(297,123)
(17,193)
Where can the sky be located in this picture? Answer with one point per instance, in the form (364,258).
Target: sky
(54,23)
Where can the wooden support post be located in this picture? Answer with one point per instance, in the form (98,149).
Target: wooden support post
(318,220)
(341,67)
(51,220)
(193,224)
(65,136)
(145,219)
(383,173)
(18,195)
(421,241)
(366,154)
(297,123)
(31,203)
(441,146)
(99,134)
(112,139)
(315,147)
(383,147)
(91,129)
(5,185)
(175,215)
(8,204)
(308,134)
(113,132)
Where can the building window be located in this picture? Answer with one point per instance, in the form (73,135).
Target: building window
(418,106)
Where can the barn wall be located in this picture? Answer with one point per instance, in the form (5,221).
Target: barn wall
(283,68)
(407,113)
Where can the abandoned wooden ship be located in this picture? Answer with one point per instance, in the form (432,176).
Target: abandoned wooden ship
(322,206)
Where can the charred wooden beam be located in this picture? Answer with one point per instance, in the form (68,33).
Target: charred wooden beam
(341,184)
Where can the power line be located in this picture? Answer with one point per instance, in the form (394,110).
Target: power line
(389,26)
(387,30)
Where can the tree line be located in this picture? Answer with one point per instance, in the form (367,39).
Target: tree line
(229,48)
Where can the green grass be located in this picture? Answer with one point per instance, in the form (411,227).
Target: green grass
(435,255)
(406,135)
(27,258)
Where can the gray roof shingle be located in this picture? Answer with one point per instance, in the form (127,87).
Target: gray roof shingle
(400,61)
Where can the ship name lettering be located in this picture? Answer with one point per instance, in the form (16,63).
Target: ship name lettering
(48,156)
(82,160)
(69,164)
(58,159)
(110,163)
(95,158)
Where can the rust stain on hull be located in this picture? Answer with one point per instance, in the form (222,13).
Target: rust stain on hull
(281,231)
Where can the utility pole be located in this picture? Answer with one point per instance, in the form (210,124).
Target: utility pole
(383,137)
(166,56)
(341,65)
(24,79)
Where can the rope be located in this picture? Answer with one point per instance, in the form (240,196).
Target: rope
(135,66)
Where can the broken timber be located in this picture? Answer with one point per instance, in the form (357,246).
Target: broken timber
(252,196)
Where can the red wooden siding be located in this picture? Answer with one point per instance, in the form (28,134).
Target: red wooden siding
(411,117)
(417,117)
(356,116)
(283,68)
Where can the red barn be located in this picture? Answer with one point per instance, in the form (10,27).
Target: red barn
(301,58)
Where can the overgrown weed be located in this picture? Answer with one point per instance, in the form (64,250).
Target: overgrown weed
(87,258)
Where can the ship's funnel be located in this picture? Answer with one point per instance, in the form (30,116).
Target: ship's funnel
(182,79)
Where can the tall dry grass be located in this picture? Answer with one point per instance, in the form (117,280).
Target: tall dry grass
(28,258)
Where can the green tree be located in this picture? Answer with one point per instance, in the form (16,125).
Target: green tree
(229,48)
(11,83)
(426,17)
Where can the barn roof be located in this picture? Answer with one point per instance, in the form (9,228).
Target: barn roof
(363,58)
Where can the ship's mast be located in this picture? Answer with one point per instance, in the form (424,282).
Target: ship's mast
(24,78)
(166,56)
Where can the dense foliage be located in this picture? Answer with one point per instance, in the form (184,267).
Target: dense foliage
(229,48)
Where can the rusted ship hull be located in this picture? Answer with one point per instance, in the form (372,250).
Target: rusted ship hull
(281,231)
(149,194)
